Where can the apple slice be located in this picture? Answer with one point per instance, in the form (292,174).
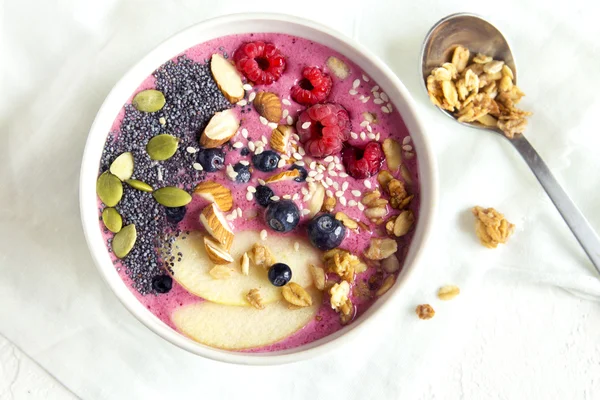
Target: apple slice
(221,127)
(192,272)
(215,224)
(216,193)
(215,252)
(238,328)
(227,78)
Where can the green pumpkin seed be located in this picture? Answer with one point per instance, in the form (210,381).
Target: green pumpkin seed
(139,185)
(149,100)
(123,241)
(112,219)
(109,188)
(162,147)
(122,167)
(172,197)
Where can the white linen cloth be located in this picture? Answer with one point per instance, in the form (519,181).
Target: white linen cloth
(60,59)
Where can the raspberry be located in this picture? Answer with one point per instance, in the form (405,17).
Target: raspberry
(313,88)
(260,62)
(329,128)
(363,163)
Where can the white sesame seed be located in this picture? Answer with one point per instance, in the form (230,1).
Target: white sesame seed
(191,150)
(263,234)
(328,159)
(378,136)
(297,156)
(295,136)
(251,189)
(389,106)
(312,173)
(263,120)
(356,83)
(281,163)
(247,87)
(286,112)
(375,88)
(159,173)
(251,146)
(318,177)
(286,102)
(261,182)
(300,163)
(407,147)
(301,151)
(352,92)
(285,157)
(362,96)
(343,175)
(336,186)
(272,125)
(352,203)
(306,125)
(331,166)
(343,200)
(310,179)
(249,196)
(305,211)
(356,193)
(304,191)
(385,109)
(363,136)
(371,135)
(289,120)
(244,162)
(339,193)
(306,197)
(369,128)
(333,173)
(336,159)
(239,211)
(353,135)
(361,206)
(365,78)
(366,99)
(296,196)
(329,181)
(321,168)
(329,193)
(376,95)
(325,185)
(197,166)
(242,102)
(251,97)
(345,186)
(162,121)
(238,145)
(378,101)
(275,198)
(368,184)
(313,165)
(259,150)
(264,139)
(409,155)
(364,123)
(384,97)
(231,217)
(406,140)
(245,133)
(287,196)
(296,246)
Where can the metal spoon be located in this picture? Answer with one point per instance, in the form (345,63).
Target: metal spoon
(479,36)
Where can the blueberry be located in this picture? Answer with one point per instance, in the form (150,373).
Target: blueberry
(211,159)
(282,216)
(325,232)
(175,214)
(162,283)
(266,161)
(280,274)
(263,195)
(303,173)
(243,171)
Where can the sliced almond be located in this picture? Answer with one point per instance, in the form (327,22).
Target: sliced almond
(216,253)
(216,193)
(221,272)
(284,176)
(215,224)
(375,212)
(338,67)
(380,249)
(245,264)
(403,223)
(392,150)
(370,197)
(268,105)
(316,201)
(227,77)
(280,138)
(221,127)
(318,275)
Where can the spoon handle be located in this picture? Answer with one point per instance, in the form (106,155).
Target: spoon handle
(585,235)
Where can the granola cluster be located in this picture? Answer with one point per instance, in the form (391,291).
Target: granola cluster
(491,227)
(482,91)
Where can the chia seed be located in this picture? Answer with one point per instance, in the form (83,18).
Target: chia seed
(192,98)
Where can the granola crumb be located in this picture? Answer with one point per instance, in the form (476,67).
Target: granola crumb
(255,299)
(425,311)
(491,227)
(448,292)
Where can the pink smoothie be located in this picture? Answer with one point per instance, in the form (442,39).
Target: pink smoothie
(352,93)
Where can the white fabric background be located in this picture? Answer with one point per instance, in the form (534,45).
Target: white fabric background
(60,59)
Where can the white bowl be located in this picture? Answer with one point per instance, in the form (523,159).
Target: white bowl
(235,24)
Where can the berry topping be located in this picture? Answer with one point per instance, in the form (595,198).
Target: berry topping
(266,161)
(303,173)
(175,214)
(313,88)
(263,195)
(162,283)
(280,274)
(323,128)
(260,62)
(211,159)
(363,163)
(325,232)
(243,173)
(282,216)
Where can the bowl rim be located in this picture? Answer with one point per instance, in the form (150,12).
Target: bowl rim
(89,212)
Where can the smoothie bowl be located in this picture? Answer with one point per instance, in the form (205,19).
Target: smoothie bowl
(257,188)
